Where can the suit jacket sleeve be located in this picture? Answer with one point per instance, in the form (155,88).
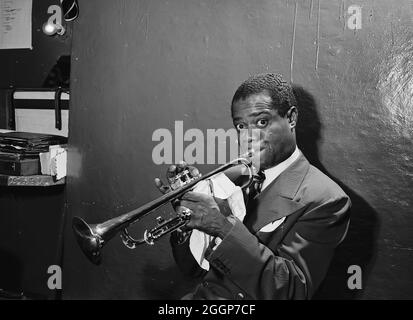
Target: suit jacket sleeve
(296,266)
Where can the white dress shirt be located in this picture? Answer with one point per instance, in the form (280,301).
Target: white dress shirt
(270,175)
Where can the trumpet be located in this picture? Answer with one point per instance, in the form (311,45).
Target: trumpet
(91,238)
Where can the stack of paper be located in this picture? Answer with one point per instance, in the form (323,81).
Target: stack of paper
(54,162)
(19,151)
(26,144)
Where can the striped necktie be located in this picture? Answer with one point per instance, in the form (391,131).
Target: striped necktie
(251,202)
(256,185)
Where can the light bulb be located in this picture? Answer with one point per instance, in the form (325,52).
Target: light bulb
(49,29)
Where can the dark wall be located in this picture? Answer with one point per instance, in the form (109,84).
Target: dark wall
(140,65)
(30,238)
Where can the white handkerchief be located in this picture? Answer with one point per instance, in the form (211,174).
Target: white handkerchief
(221,187)
(272,226)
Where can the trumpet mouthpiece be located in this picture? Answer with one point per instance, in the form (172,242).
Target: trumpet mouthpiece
(248,154)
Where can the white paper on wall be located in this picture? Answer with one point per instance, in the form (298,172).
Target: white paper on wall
(16,24)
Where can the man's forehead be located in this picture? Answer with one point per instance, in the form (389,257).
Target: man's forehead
(252,105)
(256,99)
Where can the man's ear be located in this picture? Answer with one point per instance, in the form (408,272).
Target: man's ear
(292,116)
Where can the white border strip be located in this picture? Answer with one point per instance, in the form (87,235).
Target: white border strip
(38,95)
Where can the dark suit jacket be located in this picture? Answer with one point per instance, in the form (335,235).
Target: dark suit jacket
(291,261)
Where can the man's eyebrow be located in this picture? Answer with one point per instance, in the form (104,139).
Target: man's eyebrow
(257,113)
(254,114)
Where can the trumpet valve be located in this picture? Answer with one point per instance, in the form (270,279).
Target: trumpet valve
(160,220)
(181,179)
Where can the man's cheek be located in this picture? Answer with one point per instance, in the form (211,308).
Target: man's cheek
(256,146)
(243,141)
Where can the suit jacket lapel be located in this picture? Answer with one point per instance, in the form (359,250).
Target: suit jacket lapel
(276,201)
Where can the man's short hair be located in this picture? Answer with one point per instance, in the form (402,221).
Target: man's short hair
(279,90)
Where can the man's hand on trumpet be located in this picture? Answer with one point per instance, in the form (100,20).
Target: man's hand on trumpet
(208,214)
(171,174)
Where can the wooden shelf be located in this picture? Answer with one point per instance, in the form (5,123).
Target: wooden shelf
(30,181)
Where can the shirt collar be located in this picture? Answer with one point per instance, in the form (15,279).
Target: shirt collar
(272,173)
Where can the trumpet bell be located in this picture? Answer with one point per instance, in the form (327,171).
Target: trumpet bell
(88,240)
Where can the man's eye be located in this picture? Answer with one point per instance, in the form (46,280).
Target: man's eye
(240,126)
(262,123)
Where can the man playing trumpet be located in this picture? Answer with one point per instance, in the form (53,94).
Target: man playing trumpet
(295,215)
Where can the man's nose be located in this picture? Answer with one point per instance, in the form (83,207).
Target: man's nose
(253,141)
(254,135)
(250,136)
